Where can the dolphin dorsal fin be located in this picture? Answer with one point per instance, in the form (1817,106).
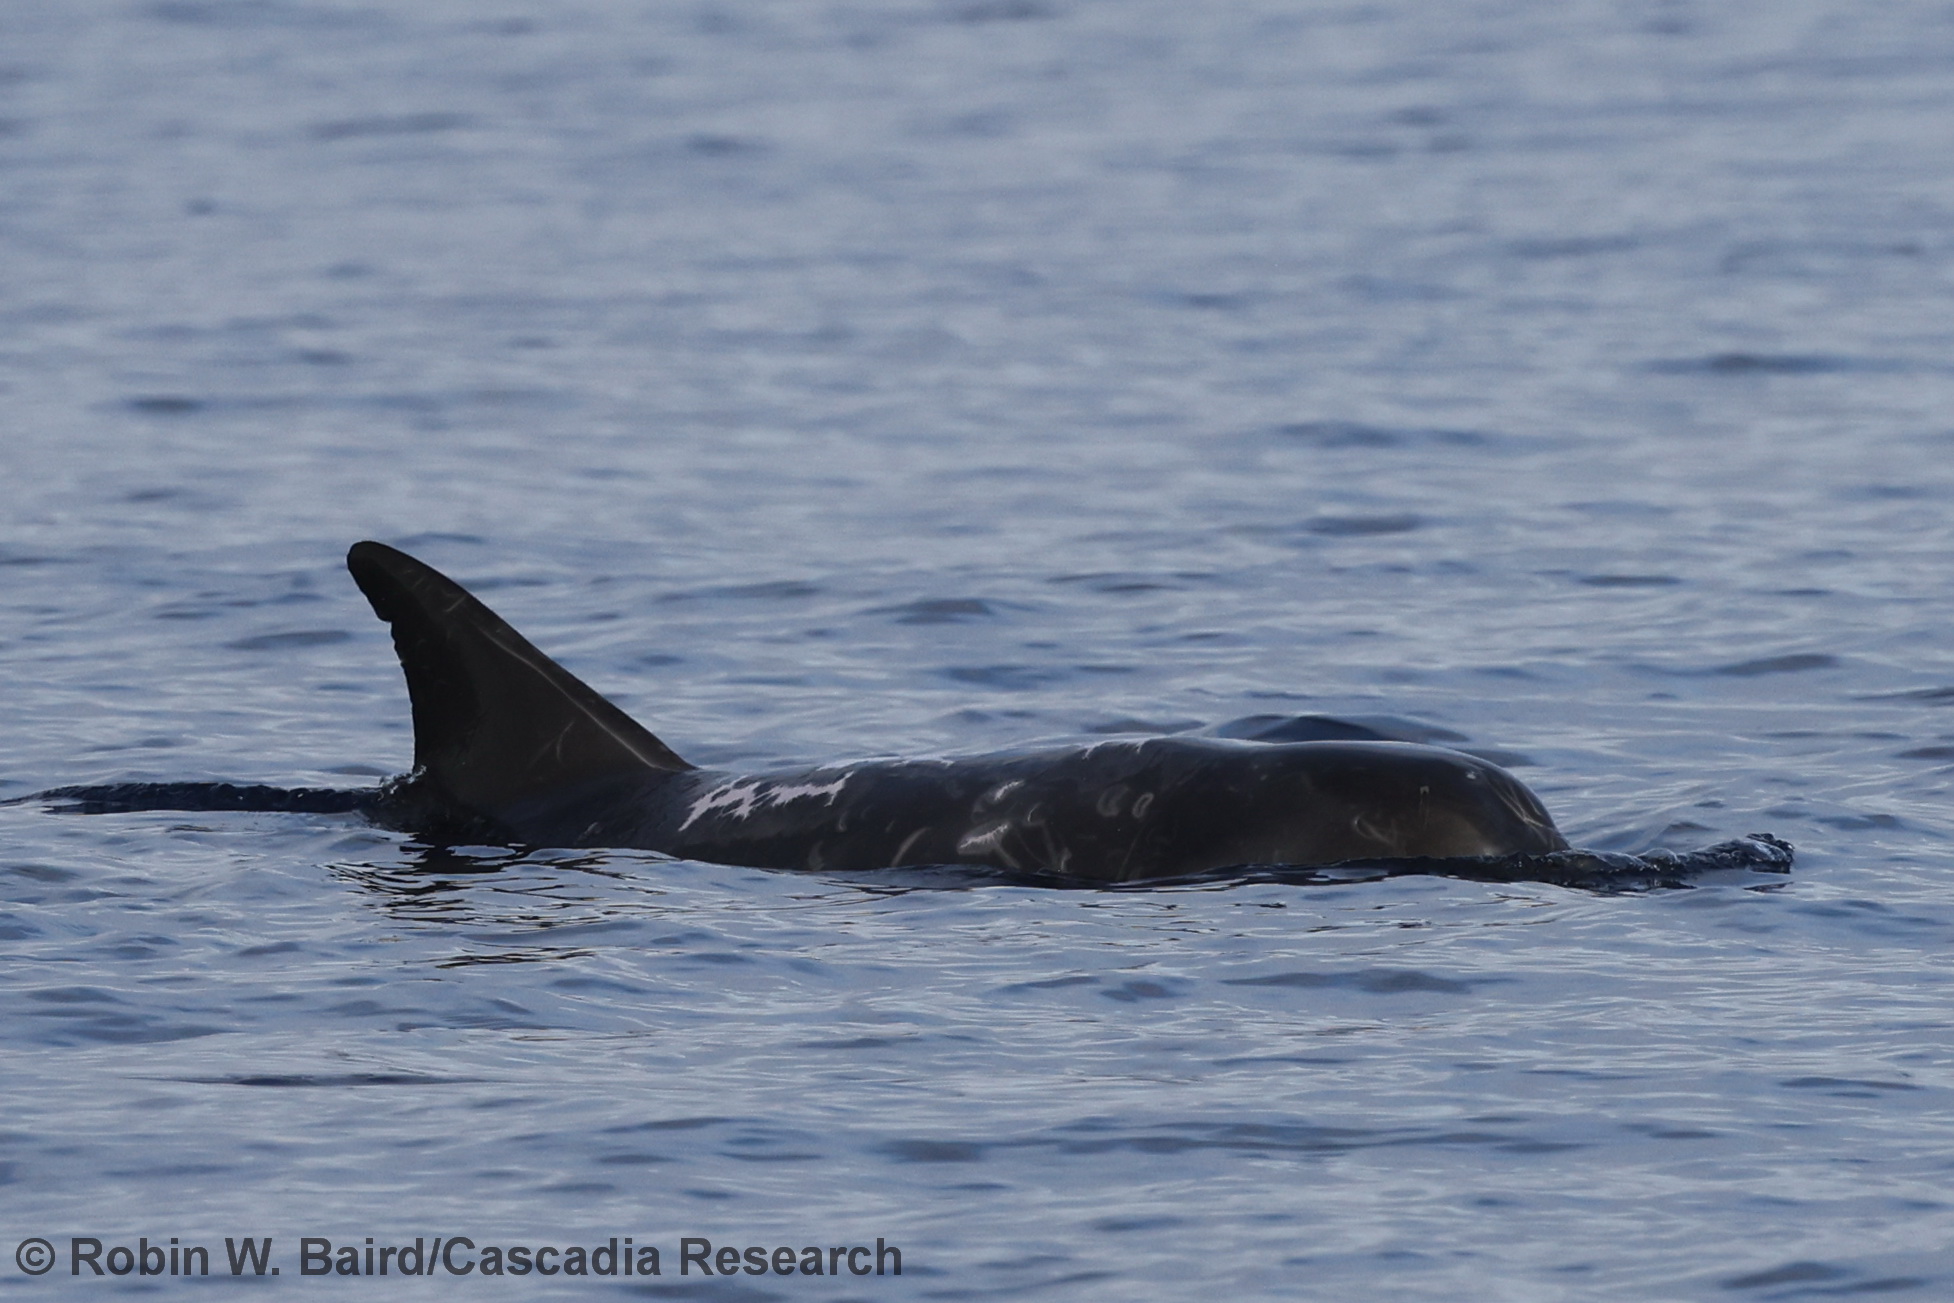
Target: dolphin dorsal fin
(496,722)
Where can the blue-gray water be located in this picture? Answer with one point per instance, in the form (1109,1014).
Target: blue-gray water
(838,379)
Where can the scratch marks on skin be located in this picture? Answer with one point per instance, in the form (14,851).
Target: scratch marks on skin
(1385,837)
(999,794)
(1019,841)
(902,851)
(981,842)
(1115,744)
(743,797)
(553,749)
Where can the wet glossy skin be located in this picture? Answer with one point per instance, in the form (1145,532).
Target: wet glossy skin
(1117,811)
(508,744)
(1111,812)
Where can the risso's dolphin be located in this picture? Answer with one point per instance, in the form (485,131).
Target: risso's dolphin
(509,747)
(509,742)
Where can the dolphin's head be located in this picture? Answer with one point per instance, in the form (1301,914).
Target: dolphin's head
(1395,800)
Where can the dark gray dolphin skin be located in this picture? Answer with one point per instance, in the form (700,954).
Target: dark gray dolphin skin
(511,747)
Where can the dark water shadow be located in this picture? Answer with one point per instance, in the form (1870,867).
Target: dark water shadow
(433,883)
(1806,1278)
(1097,1136)
(323,1080)
(1781,364)
(1606,872)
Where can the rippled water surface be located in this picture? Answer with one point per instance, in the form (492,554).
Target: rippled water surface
(827,380)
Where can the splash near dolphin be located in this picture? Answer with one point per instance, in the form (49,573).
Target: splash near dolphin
(510,747)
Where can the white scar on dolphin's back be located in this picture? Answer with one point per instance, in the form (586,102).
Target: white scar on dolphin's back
(1111,743)
(987,841)
(742,798)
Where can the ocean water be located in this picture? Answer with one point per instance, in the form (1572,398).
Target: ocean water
(824,380)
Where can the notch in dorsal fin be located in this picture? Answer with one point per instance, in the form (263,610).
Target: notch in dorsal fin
(496,722)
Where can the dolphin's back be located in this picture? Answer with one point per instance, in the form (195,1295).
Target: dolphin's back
(1113,811)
